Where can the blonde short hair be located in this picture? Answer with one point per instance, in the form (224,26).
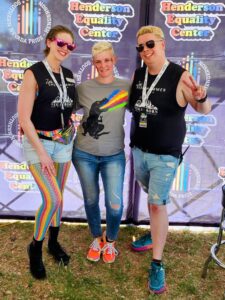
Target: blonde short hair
(150,29)
(101,47)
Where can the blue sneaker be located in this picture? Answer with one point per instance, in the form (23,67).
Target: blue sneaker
(143,243)
(156,283)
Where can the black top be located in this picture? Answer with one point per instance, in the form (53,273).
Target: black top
(47,109)
(166,127)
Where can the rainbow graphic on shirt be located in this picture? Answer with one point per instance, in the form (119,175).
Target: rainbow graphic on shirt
(116,99)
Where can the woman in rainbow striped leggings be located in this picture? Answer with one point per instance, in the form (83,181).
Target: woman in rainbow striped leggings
(46,101)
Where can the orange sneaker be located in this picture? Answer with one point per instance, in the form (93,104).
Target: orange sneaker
(95,250)
(109,252)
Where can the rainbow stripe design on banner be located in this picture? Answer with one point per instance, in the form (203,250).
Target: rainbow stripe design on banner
(191,64)
(116,100)
(182,180)
(29,18)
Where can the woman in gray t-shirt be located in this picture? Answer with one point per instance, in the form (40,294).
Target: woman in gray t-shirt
(99,149)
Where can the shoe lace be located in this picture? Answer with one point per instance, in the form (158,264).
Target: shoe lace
(95,245)
(110,249)
(157,274)
(145,237)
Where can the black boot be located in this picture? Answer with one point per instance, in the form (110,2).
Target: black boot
(55,249)
(37,268)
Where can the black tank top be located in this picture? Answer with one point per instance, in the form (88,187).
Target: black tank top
(166,127)
(47,109)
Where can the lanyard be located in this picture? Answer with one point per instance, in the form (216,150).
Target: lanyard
(62,92)
(145,94)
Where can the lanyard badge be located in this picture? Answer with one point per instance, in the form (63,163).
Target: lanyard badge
(143,120)
(146,94)
(62,92)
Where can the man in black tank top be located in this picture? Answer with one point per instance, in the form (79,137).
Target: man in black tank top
(160,94)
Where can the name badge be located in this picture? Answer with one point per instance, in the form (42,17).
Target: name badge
(70,80)
(143,120)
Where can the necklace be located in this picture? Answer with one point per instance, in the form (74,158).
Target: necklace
(55,69)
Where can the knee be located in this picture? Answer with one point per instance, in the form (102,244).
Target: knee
(116,206)
(91,196)
(57,203)
(156,209)
(90,201)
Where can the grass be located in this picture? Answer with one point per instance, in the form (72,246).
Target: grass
(184,258)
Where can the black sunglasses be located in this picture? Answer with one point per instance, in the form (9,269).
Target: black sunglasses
(149,44)
(60,43)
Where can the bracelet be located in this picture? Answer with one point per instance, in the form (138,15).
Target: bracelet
(202,100)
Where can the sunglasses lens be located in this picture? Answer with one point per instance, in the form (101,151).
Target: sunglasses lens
(150,44)
(140,48)
(61,44)
(71,47)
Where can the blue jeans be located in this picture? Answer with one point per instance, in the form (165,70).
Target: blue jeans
(155,174)
(112,169)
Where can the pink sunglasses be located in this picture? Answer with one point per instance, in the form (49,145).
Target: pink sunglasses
(60,43)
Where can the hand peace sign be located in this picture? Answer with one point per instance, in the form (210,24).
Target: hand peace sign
(198,91)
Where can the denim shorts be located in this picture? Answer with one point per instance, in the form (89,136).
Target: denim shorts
(155,174)
(59,152)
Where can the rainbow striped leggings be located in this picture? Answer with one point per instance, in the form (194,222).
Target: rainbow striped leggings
(51,188)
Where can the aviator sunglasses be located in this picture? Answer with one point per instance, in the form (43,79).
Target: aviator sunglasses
(60,43)
(149,44)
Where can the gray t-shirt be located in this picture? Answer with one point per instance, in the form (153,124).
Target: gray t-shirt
(101,130)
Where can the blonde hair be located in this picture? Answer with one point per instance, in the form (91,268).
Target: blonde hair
(100,47)
(150,29)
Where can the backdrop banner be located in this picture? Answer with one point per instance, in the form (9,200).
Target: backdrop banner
(194,33)
(23,28)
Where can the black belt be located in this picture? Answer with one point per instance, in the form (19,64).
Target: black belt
(41,136)
(159,153)
(144,150)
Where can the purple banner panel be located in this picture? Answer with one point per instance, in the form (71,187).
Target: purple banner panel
(193,32)
(23,28)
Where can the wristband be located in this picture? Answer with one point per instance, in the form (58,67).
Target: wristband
(202,100)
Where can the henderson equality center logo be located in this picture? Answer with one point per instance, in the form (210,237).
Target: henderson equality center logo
(192,21)
(100,21)
(13,72)
(29,21)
